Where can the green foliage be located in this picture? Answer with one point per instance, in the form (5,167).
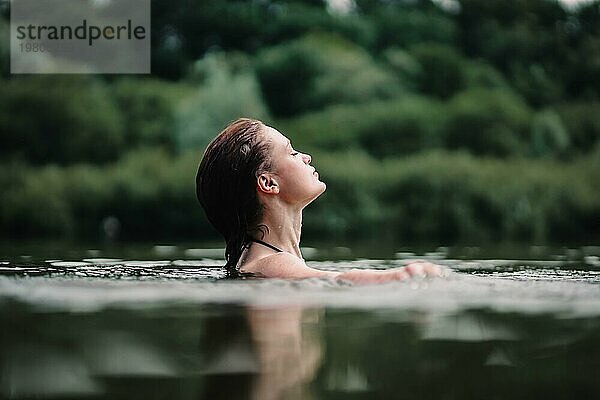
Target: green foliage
(33,202)
(286,75)
(498,29)
(482,121)
(151,183)
(431,196)
(185,30)
(549,137)
(59,119)
(479,73)
(442,69)
(582,76)
(405,65)
(404,27)
(403,127)
(69,119)
(150,110)
(349,208)
(453,198)
(384,129)
(369,93)
(149,192)
(223,96)
(543,49)
(583,123)
(536,84)
(294,20)
(488,122)
(320,70)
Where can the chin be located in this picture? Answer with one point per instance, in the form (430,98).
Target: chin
(319,191)
(324,187)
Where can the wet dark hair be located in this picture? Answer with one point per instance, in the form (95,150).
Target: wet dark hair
(226,184)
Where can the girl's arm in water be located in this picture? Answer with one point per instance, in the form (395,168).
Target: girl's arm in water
(287,266)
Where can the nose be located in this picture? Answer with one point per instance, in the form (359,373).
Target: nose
(306,158)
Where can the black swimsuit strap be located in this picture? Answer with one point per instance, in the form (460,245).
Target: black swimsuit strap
(265,244)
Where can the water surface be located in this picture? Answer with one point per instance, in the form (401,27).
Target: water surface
(169,325)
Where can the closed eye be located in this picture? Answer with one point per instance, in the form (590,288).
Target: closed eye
(295,153)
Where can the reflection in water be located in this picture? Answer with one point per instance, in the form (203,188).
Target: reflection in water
(245,352)
(290,352)
(262,353)
(34,370)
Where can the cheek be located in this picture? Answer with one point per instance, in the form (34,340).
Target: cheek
(291,171)
(297,178)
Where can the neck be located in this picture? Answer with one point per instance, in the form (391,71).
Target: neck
(285,227)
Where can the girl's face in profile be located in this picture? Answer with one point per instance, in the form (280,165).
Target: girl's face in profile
(298,180)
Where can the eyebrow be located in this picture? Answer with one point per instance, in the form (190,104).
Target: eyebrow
(288,144)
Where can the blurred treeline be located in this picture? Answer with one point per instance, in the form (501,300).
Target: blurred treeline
(446,121)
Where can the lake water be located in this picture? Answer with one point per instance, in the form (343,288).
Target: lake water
(163,323)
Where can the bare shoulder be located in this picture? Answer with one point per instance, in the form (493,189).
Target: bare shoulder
(284,265)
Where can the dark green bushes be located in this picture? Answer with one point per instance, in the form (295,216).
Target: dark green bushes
(456,198)
(406,26)
(582,120)
(149,192)
(549,137)
(320,70)
(426,123)
(384,129)
(183,31)
(63,120)
(75,119)
(481,121)
(432,196)
(442,69)
(488,122)
(150,110)
(227,91)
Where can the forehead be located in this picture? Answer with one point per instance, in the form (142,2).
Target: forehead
(276,137)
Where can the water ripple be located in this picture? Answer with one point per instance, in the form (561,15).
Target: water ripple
(493,284)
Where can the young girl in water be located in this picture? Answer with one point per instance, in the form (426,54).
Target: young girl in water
(253,187)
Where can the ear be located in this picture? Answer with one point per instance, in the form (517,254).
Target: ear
(267,184)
